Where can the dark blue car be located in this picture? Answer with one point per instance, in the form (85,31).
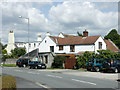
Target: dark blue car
(111,65)
(36,65)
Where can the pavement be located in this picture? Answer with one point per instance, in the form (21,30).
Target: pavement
(61,78)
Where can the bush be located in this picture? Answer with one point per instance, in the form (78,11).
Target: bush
(58,61)
(102,54)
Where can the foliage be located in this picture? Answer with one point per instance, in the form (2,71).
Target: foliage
(58,61)
(82,59)
(79,34)
(1,45)
(9,65)
(106,54)
(114,36)
(102,54)
(17,52)
(4,51)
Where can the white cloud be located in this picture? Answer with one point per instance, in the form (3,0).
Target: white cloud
(67,17)
(82,14)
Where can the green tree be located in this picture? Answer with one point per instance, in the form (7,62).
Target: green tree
(82,59)
(79,34)
(106,54)
(1,45)
(58,61)
(17,52)
(4,51)
(114,36)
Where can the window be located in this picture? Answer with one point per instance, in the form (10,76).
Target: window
(51,48)
(29,45)
(100,45)
(60,47)
(72,48)
(45,41)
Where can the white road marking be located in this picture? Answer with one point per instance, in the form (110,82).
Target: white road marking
(54,76)
(18,70)
(31,72)
(41,85)
(58,76)
(84,81)
(50,75)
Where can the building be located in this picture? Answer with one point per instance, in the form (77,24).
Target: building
(46,49)
(11,42)
(69,44)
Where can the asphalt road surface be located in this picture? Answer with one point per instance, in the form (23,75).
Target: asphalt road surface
(32,78)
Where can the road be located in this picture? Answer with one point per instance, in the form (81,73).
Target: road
(49,79)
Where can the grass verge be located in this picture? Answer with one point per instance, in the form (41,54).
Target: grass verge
(54,68)
(9,65)
(8,82)
(81,69)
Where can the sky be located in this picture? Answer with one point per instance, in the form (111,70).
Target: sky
(98,18)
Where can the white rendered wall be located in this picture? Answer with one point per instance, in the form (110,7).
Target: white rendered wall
(97,44)
(11,43)
(32,47)
(78,48)
(46,43)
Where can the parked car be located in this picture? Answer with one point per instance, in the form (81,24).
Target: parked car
(94,64)
(111,65)
(22,62)
(36,65)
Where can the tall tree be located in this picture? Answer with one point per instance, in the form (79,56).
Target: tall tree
(114,36)
(17,52)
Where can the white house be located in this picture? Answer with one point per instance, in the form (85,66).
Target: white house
(70,44)
(32,45)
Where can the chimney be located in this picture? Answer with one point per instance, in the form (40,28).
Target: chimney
(47,34)
(85,33)
(39,38)
(11,38)
(61,35)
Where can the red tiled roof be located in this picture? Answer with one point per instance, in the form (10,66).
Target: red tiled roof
(111,46)
(75,40)
(69,36)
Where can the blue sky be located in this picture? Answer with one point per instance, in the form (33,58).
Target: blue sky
(55,17)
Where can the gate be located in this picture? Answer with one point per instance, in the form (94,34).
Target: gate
(70,63)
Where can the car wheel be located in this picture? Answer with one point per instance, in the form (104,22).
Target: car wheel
(97,69)
(29,67)
(88,69)
(24,65)
(116,70)
(35,67)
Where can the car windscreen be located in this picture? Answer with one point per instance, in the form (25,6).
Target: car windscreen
(34,62)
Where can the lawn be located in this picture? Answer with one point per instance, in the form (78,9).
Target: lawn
(9,65)
(8,82)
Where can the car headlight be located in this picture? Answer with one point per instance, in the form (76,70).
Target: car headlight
(40,65)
